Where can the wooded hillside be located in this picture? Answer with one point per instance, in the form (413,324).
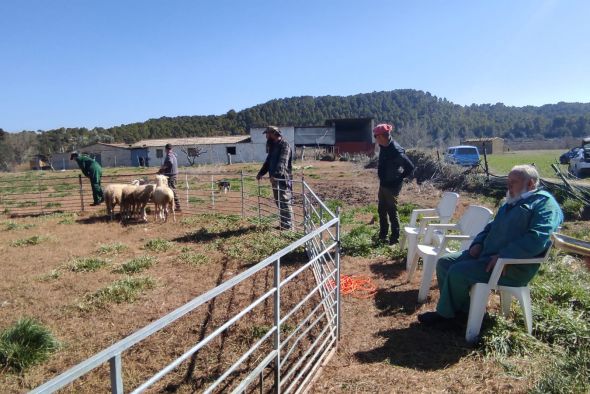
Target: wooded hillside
(423,120)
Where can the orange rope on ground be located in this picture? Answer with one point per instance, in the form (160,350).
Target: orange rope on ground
(358,286)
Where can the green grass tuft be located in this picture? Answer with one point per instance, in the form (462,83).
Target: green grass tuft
(30,241)
(124,290)
(158,245)
(136,265)
(193,258)
(10,226)
(25,343)
(90,264)
(112,248)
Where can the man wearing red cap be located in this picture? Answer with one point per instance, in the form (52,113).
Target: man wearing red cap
(394,166)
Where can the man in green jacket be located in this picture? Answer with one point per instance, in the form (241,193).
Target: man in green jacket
(521,230)
(93,171)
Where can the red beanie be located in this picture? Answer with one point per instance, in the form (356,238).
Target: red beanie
(382,128)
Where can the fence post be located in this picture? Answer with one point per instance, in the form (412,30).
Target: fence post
(304,204)
(259,216)
(40,195)
(485,160)
(277,323)
(242,189)
(337,258)
(212,194)
(187,187)
(116,375)
(81,192)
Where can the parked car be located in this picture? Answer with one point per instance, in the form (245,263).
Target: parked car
(567,156)
(463,155)
(580,164)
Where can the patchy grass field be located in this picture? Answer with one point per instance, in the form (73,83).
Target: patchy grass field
(92,282)
(502,163)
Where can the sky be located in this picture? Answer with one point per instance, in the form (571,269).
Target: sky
(83,63)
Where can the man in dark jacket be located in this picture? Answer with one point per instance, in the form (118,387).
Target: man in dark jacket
(93,171)
(278,166)
(170,169)
(394,166)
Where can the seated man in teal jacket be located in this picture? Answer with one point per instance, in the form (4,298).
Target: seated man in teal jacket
(521,230)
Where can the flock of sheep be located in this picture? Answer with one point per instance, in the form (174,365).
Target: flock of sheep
(133,198)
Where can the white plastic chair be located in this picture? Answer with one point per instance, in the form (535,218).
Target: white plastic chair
(471,223)
(443,213)
(480,293)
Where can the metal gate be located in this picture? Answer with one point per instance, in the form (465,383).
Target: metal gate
(292,356)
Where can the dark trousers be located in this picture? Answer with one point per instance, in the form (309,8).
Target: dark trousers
(282,193)
(96,189)
(387,209)
(457,272)
(172,185)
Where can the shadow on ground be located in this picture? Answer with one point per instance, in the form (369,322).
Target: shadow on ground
(391,303)
(420,348)
(389,270)
(204,235)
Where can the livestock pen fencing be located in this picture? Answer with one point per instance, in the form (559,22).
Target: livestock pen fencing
(303,320)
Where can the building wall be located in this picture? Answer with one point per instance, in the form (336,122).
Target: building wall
(212,154)
(313,136)
(259,141)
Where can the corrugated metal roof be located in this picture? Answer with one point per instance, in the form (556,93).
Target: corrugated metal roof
(234,139)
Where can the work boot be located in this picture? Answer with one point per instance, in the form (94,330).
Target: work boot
(393,240)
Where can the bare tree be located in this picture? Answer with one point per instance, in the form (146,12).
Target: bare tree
(192,153)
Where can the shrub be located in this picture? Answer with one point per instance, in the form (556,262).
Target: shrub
(25,343)
(572,209)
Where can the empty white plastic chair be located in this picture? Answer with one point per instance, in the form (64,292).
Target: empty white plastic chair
(443,213)
(472,222)
(480,293)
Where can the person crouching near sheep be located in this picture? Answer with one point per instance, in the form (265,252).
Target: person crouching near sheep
(170,170)
(93,171)
(278,165)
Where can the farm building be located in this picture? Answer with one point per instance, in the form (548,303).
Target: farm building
(353,135)
(195,150)
(108,155)
(491,145)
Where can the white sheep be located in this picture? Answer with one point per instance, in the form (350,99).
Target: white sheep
(113,195)
(163,199)
(128,201)
(141,196)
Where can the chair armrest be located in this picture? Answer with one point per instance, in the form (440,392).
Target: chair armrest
(446,226)
(452,237)
(425,221)
(437,226)
(417,212)
(501,263)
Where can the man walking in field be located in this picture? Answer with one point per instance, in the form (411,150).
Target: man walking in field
(170,170)
(93,171)
(278,166)
(393,167)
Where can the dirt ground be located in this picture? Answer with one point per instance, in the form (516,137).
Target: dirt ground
(382,349)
